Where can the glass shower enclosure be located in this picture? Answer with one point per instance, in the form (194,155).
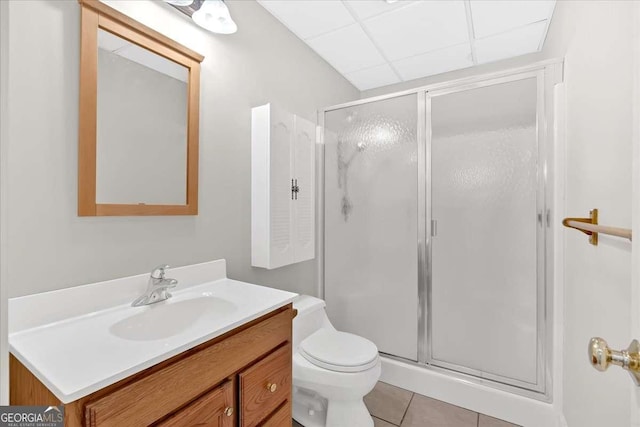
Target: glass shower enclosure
(435,212)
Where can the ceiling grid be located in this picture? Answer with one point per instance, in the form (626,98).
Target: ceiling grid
(353,14)
(375,43)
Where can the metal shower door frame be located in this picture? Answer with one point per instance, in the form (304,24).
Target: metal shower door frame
(541,208)
(548,73)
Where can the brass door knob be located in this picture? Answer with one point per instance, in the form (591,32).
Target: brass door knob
(228,411)
(272,387)
(601,357)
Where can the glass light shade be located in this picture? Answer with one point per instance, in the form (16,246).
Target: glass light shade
(214,16)
(179,2)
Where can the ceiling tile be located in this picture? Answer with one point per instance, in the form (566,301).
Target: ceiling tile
(435,62)
(381,75)
(418,28)
(367,8)
(374,43)
(309,18)
(348,49)
(493,17)
(512,43)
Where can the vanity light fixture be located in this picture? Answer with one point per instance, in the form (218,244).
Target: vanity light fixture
(214,16)
(179,2)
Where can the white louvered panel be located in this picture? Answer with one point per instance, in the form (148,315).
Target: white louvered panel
(282,249)
(282,228)
(304,205)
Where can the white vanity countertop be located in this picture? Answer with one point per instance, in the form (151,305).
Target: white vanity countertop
(77,356)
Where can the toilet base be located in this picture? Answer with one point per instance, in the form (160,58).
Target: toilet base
(323,413)
(352,413)
(309,418)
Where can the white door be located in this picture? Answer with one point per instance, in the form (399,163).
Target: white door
(281,224)
(304,198)
(635,250)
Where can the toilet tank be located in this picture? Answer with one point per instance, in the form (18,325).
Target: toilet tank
(311,317)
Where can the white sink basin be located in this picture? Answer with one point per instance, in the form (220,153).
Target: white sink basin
(79,355)
(168,318)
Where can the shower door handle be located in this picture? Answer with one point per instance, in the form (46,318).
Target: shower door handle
(601,357)
(434,228)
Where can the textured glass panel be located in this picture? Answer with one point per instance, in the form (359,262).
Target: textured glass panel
(484,189)
(371,283)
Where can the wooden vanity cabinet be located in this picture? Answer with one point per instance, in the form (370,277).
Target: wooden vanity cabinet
(240,379)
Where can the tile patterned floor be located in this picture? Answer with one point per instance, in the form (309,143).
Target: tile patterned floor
(392,406)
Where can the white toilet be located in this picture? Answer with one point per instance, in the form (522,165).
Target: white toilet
(332,371)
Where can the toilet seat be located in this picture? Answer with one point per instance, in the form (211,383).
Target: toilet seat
(339,351)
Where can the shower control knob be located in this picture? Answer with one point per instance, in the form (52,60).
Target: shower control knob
(601,357)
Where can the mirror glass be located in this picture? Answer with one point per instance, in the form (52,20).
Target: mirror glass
(141,152)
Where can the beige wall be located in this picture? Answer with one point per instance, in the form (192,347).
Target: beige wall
(50,246)
(4,347)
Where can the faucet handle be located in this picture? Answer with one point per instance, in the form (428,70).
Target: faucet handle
(159,271)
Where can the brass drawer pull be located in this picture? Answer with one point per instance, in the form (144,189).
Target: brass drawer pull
(272,387)
(228,411)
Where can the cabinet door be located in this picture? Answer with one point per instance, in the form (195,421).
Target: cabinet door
(304,146)
(281,418)
(215,409)
(281,162)
(265,386)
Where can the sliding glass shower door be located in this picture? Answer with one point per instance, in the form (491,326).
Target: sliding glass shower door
(435,220)
(370,216)
(486,211)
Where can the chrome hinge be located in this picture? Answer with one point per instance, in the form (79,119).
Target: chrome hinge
(295,189)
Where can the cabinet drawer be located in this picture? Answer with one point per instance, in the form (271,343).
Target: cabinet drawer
(214,409)
(281,418)
(265,386)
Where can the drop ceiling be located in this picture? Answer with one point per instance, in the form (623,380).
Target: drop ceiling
(375,43)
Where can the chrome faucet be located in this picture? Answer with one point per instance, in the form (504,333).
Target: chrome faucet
(157,290)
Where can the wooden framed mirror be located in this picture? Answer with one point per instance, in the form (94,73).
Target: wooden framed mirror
(138,118)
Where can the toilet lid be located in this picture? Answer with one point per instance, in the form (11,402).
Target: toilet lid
(339,351)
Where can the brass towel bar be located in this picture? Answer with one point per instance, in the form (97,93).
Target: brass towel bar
(590,227)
